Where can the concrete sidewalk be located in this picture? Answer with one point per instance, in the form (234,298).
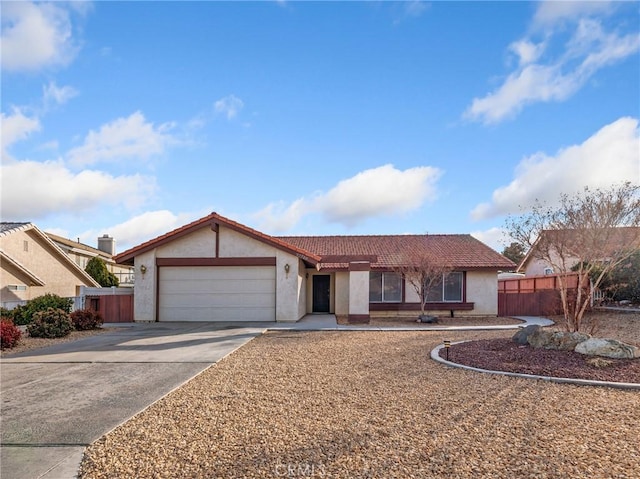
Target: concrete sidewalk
(327,322)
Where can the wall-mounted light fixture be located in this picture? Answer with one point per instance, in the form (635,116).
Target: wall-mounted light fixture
(143,269)
(287,267)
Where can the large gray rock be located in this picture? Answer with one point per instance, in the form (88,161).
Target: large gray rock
(609,348)
(522,336)
(560,340)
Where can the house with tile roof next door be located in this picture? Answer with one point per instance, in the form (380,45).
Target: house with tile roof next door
(215,269)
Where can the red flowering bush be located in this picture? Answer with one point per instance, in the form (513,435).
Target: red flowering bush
(9,333)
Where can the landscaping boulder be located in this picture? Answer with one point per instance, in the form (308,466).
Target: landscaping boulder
(559,340)
(522,336)
(609,348)
(426,318)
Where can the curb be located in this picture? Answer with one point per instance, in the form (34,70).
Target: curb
(580,382)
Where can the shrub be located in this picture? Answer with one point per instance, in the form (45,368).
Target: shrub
(84,319)
(9,333)
(97,269)
(20,315)
(52,323)
(24,314)
(6,313)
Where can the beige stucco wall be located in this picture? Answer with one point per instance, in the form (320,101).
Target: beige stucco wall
(234,244)
(358,292)
(199,244)
(9,278)
(536,266)
(290,286)
(482,290)
(42,259)
(342,292)
(287,286)
(144,298)
(302,289)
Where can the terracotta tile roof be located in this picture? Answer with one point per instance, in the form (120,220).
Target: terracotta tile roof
(460,251)
(126,257)
(335,252)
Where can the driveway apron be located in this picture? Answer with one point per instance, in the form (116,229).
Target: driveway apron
(58,400)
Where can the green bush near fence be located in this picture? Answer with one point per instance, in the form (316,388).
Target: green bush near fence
(24,314)
(52,323)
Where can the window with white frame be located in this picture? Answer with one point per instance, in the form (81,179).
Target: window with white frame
(385,287)
(448,289)
(17,287)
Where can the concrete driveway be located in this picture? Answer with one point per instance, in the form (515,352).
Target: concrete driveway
(58,400)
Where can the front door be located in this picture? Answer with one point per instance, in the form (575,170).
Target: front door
(321,295)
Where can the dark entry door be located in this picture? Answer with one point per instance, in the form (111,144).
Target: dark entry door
(321,288)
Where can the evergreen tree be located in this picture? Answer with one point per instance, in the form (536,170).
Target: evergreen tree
(97,269)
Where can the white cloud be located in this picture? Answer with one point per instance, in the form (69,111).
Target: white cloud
(415,8)
(527,51)
(35,36)
(589,49)
(496,238)
(32,190)
(381,191)
(230,106)
(141,228)
(610,156)
(59,95)
(552,12)
(15,127)
(124,138)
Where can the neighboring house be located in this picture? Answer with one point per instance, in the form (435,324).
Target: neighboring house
(33,265)
(81,254)
(215,269)
(533,265)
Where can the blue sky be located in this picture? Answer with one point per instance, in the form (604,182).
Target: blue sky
(134,118)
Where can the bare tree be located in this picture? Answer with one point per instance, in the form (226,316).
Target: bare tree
(423,273)
(589,233)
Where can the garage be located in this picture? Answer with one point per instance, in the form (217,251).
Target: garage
(217,293)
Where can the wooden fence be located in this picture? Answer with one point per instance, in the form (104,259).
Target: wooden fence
(533,295)
(113,308)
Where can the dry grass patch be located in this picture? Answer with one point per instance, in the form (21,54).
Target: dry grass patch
(623,326)
(370,404)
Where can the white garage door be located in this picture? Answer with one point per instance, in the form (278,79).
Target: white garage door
(220,293)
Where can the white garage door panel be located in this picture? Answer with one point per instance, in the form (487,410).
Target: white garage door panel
(223,293)
(234,300)
(249,286)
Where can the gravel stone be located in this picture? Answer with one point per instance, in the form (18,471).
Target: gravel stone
(371,405)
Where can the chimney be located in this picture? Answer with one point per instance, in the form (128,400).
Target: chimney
(107,244)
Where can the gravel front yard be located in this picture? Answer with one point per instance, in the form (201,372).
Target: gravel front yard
(371,404)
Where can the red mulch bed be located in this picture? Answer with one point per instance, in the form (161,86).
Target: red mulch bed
(505,354)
